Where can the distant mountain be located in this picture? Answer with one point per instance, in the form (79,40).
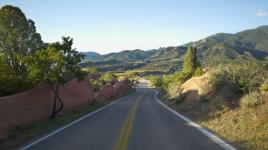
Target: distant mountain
(251,43)
(90,55)
(126,56)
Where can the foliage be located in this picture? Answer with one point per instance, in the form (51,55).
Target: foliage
(198,72)
(96,84)
(242,77)
(106,78)
(91,70)
(10,81)
(251,100)
(190,61)
(264,86)
(109,78)
(156,81)
(18,38)
(56,65)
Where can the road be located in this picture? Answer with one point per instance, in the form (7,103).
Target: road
(136,122)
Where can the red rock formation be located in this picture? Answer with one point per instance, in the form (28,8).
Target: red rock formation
(36,104)
(106,93)
(122,87)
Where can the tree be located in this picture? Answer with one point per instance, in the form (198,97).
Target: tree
(56,65)
(190,61)
(18,38)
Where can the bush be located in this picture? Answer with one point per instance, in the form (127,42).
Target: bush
(109,78)
(242,77)
(251,100)
(91,70)
(156,81)
(198,72)
(11,82)
(264,86)
(96,85)
(179,99)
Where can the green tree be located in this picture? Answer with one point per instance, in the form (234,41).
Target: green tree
(18,39)
(190,61)
(56,65)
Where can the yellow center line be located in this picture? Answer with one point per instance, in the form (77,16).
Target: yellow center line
(125,132)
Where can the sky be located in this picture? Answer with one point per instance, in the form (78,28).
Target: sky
(106,26)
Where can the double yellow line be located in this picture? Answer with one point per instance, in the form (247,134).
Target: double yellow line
(122,140)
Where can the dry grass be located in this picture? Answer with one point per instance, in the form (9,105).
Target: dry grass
(245,127)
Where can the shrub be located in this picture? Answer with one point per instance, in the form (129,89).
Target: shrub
(198,72)
(96,85)
(179,99)
(242,77)
(156,81)
(91,70)
(11,82)
(219,103)
(109,78)
(251,100)
(264,86)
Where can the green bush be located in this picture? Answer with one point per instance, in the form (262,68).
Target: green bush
(156,81)
(198,72)
(91,70)
(251,100)
(10,82)
(179,100)
(109,78)
(96,84)
(242,77)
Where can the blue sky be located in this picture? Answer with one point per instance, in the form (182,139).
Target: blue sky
(112,25)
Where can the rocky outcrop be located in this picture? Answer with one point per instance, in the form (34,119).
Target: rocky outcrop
(193,88)
(36,104)
(106,93)
(112,91)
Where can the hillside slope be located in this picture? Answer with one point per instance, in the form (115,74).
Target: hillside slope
(252,44)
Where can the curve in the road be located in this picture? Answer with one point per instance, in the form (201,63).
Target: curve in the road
(136,122)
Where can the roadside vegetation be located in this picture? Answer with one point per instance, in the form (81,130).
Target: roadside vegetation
(234,104)
(26,61)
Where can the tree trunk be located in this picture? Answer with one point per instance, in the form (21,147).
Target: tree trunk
(55,111)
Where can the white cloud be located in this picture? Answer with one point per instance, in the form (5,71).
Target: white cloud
(261,13)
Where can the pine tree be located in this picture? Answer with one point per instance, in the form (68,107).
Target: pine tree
(190,61)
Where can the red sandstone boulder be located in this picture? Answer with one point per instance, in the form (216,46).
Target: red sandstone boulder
(106,92)
(122,87)
(36,104)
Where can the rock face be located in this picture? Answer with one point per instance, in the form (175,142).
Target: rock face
(122,87)
(36,104)
(195,87)
(112,91)
(106,93)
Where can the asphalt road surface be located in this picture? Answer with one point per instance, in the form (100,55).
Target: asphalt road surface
(136,122)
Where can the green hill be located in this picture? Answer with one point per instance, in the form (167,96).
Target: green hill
(216,48)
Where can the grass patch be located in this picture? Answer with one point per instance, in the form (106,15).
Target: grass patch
(246,128)
(21,134)
(252,99)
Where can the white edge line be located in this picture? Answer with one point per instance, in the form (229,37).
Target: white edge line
(72,123)
(213,137)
